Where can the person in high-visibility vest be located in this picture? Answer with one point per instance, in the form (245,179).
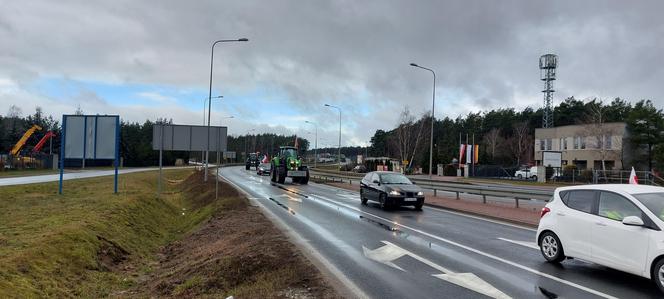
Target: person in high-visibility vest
(615,215)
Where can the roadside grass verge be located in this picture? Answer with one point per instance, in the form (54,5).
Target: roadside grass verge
(71,245)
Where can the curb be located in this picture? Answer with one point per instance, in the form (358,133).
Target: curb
(512,221)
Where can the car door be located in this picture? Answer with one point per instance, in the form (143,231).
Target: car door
(375,188)
(575,223)
(615,244)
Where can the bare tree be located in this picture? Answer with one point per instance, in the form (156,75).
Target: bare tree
(491,139)
(407,136)
(14,112)
(597,130)
(520,142)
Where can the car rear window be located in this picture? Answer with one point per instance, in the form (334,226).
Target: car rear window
(654,202)
(581,200)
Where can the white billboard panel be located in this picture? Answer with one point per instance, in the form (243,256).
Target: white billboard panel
(552,159)
(189,138)
(90,136)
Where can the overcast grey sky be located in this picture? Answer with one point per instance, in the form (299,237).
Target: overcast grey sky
(148,59)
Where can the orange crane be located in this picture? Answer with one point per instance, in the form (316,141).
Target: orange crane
(21,142)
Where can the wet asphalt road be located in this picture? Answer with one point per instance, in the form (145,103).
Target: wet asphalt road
(395,254)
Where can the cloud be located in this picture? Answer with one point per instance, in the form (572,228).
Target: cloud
(349,53)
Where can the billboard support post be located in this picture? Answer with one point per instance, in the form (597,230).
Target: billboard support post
(62,152)
(117,152)
(161,151)
(216,179)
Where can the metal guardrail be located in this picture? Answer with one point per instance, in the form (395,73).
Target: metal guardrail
(517,193)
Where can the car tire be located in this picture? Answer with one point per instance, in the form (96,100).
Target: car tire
(362,198)
(657,275)
(281,175)
(383,202)
(246,167)
(273,174)
(534,178)
(551,248)
(519,176)
(418,206)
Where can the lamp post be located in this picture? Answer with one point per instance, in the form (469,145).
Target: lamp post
(316,143)
(433,106)
(216,181)
(210,99)
(245,142)
(204,102)
(339,154)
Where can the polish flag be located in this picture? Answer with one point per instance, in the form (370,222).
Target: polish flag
(633,180)
(265,159)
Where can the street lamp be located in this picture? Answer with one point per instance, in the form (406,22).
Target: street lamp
(316,143)
(433,106)
(217,97)
(245,141)
(210,98)
(331,106)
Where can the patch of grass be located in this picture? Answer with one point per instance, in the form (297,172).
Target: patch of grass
(68,245)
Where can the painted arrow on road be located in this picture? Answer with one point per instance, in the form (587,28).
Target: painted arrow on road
(389,252)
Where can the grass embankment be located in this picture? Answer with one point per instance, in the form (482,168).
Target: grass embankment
(92,243)
(53,245)
(8,173)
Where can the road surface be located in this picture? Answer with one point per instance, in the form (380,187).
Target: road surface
(429,254)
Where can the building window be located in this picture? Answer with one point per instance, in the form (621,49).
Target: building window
(563,144)
(549,142)
(576,142)
(579,142)
(542,141)
(608,142)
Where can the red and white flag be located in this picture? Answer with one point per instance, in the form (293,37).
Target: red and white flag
(296,143)
(633,180)
(265,159)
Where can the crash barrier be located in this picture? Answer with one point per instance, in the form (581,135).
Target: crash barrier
(514,192)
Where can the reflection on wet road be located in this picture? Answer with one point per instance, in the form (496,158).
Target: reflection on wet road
(405,253)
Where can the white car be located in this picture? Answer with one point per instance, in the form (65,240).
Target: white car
(617,226)
(526,173)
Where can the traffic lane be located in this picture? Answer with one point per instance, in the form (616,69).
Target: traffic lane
(505,241)
(340,237)
(515,283)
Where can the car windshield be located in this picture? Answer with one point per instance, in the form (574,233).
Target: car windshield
(265,165)
(289,152)
(654,202)
(394,178)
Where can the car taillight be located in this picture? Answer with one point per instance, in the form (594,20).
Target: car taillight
(544,211)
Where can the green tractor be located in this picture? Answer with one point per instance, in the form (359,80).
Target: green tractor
(287,164)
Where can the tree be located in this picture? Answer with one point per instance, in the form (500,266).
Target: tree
(646,125)
(491,140)
(78,111)
(521,141)
(596,128)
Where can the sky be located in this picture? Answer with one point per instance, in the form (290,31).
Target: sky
(151,59)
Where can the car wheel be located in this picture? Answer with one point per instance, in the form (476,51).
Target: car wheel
(658,274)
(246,167)
(519,176)
(418,206)
(362,198)
(551,248)
(383,201)
(281,175)
(534,178)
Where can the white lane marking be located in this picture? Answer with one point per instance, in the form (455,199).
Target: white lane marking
(336,189)
(307,247)
(532,245)
(477,251)
(389,252)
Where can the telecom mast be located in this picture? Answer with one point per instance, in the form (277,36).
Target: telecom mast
(547,65)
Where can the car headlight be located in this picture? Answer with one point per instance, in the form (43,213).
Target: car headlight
(420,193)
(395,192)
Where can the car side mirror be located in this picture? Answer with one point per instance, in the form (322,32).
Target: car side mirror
(632,221)
(376,182)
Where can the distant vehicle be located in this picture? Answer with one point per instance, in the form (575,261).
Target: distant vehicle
(527,173)
(252,161)
(617,226)
(263,169)
(326,160)
(390,189)
(287,163)
(360,169)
